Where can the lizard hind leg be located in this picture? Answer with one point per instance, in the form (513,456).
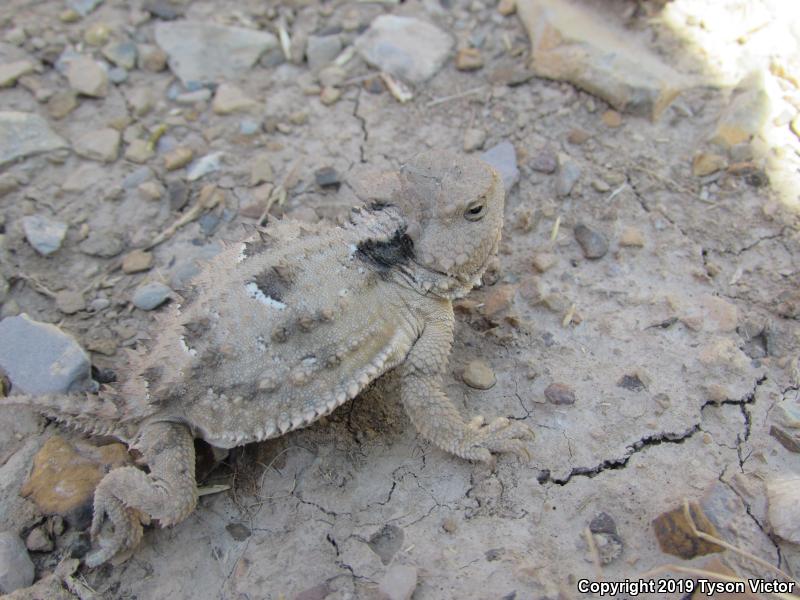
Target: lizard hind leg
(128,497)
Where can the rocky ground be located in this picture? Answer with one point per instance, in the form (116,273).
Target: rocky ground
(642,315)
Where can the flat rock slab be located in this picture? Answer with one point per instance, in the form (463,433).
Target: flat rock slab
(405,47)
(574,44)
(24,134)
(207,53)
(39,358)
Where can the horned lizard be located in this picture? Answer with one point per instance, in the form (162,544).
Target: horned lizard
(284,327)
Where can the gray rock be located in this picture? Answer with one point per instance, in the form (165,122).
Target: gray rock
(398,583)
(39,358)
(188,98)
(205,165)
(593,243)
(87,77)
(474,139)
(101,144)
(16,568)
(576,44)
(783,514)
(84,7)
(151,295)
(186,43)
(405,47)
(503,157)
(568,174)
(103,244)
(321,50)
(69,302)
(11,71)
(45,235)
(122,54)
(544,163)
(137,177)
(117,75)
(327,177)
(23,134)
(163,10)
(559,393)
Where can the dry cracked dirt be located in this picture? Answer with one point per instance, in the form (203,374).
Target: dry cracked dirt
(642,315)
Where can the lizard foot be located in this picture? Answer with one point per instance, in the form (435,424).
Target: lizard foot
(481,440)
(116,528)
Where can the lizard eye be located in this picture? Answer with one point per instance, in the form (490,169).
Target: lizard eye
(475,212)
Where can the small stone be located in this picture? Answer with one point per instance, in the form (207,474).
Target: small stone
(571,43)
(15,36)
(261,170)
(593,243)
(474,139)
(97,34)
(578,136)
(10,72)
(236,49)
(65,474)
(405,47)
(783,514)
(321,50)
(327,177)
(609,547)
(39,358)
(62,103)
(788,440)
(122,54)
(151,58)
(600,186)
(45,235)
(544,261)
(559,393)
(16,567)
(398,583)
(507,7)
(151,295)
(499,300)
(151,190)
(100,145)
(70,302)
(449,524)
(544,163)
(299,117)
(87,77)
(705,164)
(230,99)
(161,9)
(249,127)
(140,100)
(139,151)
(568,174)
(38,540)
(745,115)
(209,163)
(8,184)
(631,236)
(197,96)
(330,95)
(24,134)
(603,523)
(238,531)
(741,153)
(675,536)
(138,176)
(469,59)
(117,75)
(103,244)
(503,158)
(178,158)
(612,119)
(84,7)
(477,374)
(332,76)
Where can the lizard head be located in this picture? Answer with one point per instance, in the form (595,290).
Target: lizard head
(454,208)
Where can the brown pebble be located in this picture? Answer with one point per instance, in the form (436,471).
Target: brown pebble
(449,524)
(137,261)
(631,237)
(330,95)
(612,118)
(675,536)
(507,7)
(499,299)
(559,393)
(543,261)
(469,59)
(178,158)
(578,136)
(705,164)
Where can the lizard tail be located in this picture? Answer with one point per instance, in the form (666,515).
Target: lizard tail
(93,413)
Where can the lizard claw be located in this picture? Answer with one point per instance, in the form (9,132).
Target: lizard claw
(500,436)
(125,524)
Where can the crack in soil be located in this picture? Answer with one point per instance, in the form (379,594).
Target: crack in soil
(662,438)
(363,123)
